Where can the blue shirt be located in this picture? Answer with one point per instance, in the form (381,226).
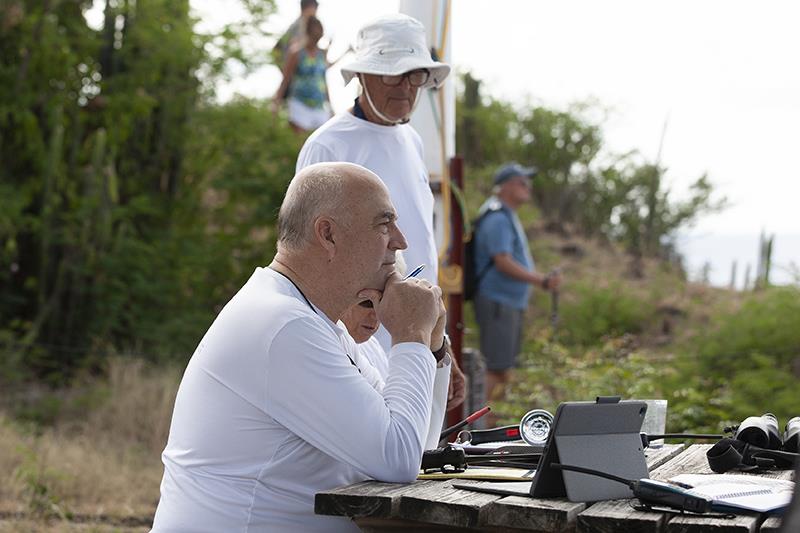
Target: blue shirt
(500,232)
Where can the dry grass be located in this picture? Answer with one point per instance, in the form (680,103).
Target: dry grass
(65,526)
(601,264)
(102,461)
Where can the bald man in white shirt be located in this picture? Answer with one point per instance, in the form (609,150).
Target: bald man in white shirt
(272,408)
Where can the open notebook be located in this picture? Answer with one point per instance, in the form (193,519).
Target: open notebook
(739,493)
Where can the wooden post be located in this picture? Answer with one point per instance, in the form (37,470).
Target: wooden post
(768,259)
(764,260)
(705,273)
(746,285)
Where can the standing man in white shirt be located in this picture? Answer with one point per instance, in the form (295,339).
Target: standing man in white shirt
(393,65)
(272,407)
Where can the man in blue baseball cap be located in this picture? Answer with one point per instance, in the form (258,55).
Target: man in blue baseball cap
(506,271)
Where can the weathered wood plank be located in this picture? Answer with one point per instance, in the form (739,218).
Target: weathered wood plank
(699,524)
(656,457)
(437,502)
(434,506)
(368,498)
(692,460)
(771,525)
(618,515)
(534,514)
(373,525)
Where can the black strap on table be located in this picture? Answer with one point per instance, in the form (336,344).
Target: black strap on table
(647,439)
(734,454)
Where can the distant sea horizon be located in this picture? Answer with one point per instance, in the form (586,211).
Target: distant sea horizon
(720,250)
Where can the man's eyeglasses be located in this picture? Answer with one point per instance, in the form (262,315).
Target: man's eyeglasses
(416,78)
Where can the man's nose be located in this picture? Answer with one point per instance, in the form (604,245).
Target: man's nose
(372,318)
(398,240)
(405,83)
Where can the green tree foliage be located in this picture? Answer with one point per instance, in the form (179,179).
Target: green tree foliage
(618,197)
(128,204)
(647,218)
(610,337)
(483,127)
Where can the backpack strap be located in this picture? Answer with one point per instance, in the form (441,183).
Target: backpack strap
(489,211)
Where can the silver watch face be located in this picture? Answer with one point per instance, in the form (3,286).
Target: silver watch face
(535,427)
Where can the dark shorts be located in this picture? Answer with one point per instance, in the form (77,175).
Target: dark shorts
(500,332)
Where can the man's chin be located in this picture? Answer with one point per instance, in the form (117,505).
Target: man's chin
(380,280)
(399,113)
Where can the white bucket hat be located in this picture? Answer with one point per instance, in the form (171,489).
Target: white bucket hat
(392,45)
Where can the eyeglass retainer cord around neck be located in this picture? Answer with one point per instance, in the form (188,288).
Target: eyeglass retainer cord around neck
(358,111)
(312,308)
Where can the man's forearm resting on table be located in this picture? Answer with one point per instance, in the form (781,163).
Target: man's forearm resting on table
(385,436)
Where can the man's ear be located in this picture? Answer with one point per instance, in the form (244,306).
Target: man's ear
(324,231)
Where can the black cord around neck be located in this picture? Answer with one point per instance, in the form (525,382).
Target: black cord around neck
(352,362)
(298,289)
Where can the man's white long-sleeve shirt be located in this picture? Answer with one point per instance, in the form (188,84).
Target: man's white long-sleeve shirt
(271,410)
(376,357)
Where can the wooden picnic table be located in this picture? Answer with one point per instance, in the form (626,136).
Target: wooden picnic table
(425,506)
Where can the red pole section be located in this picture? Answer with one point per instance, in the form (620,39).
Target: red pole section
(455,301)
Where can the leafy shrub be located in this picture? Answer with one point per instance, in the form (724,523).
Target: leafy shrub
(767,323)
(746,363)
(594,312)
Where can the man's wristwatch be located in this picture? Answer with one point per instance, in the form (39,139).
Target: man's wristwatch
(441,352)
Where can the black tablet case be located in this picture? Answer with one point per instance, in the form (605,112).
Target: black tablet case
(602,435)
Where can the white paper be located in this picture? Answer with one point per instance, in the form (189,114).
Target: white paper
(753,493)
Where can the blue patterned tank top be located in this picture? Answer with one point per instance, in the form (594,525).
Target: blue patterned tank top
(308,82)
